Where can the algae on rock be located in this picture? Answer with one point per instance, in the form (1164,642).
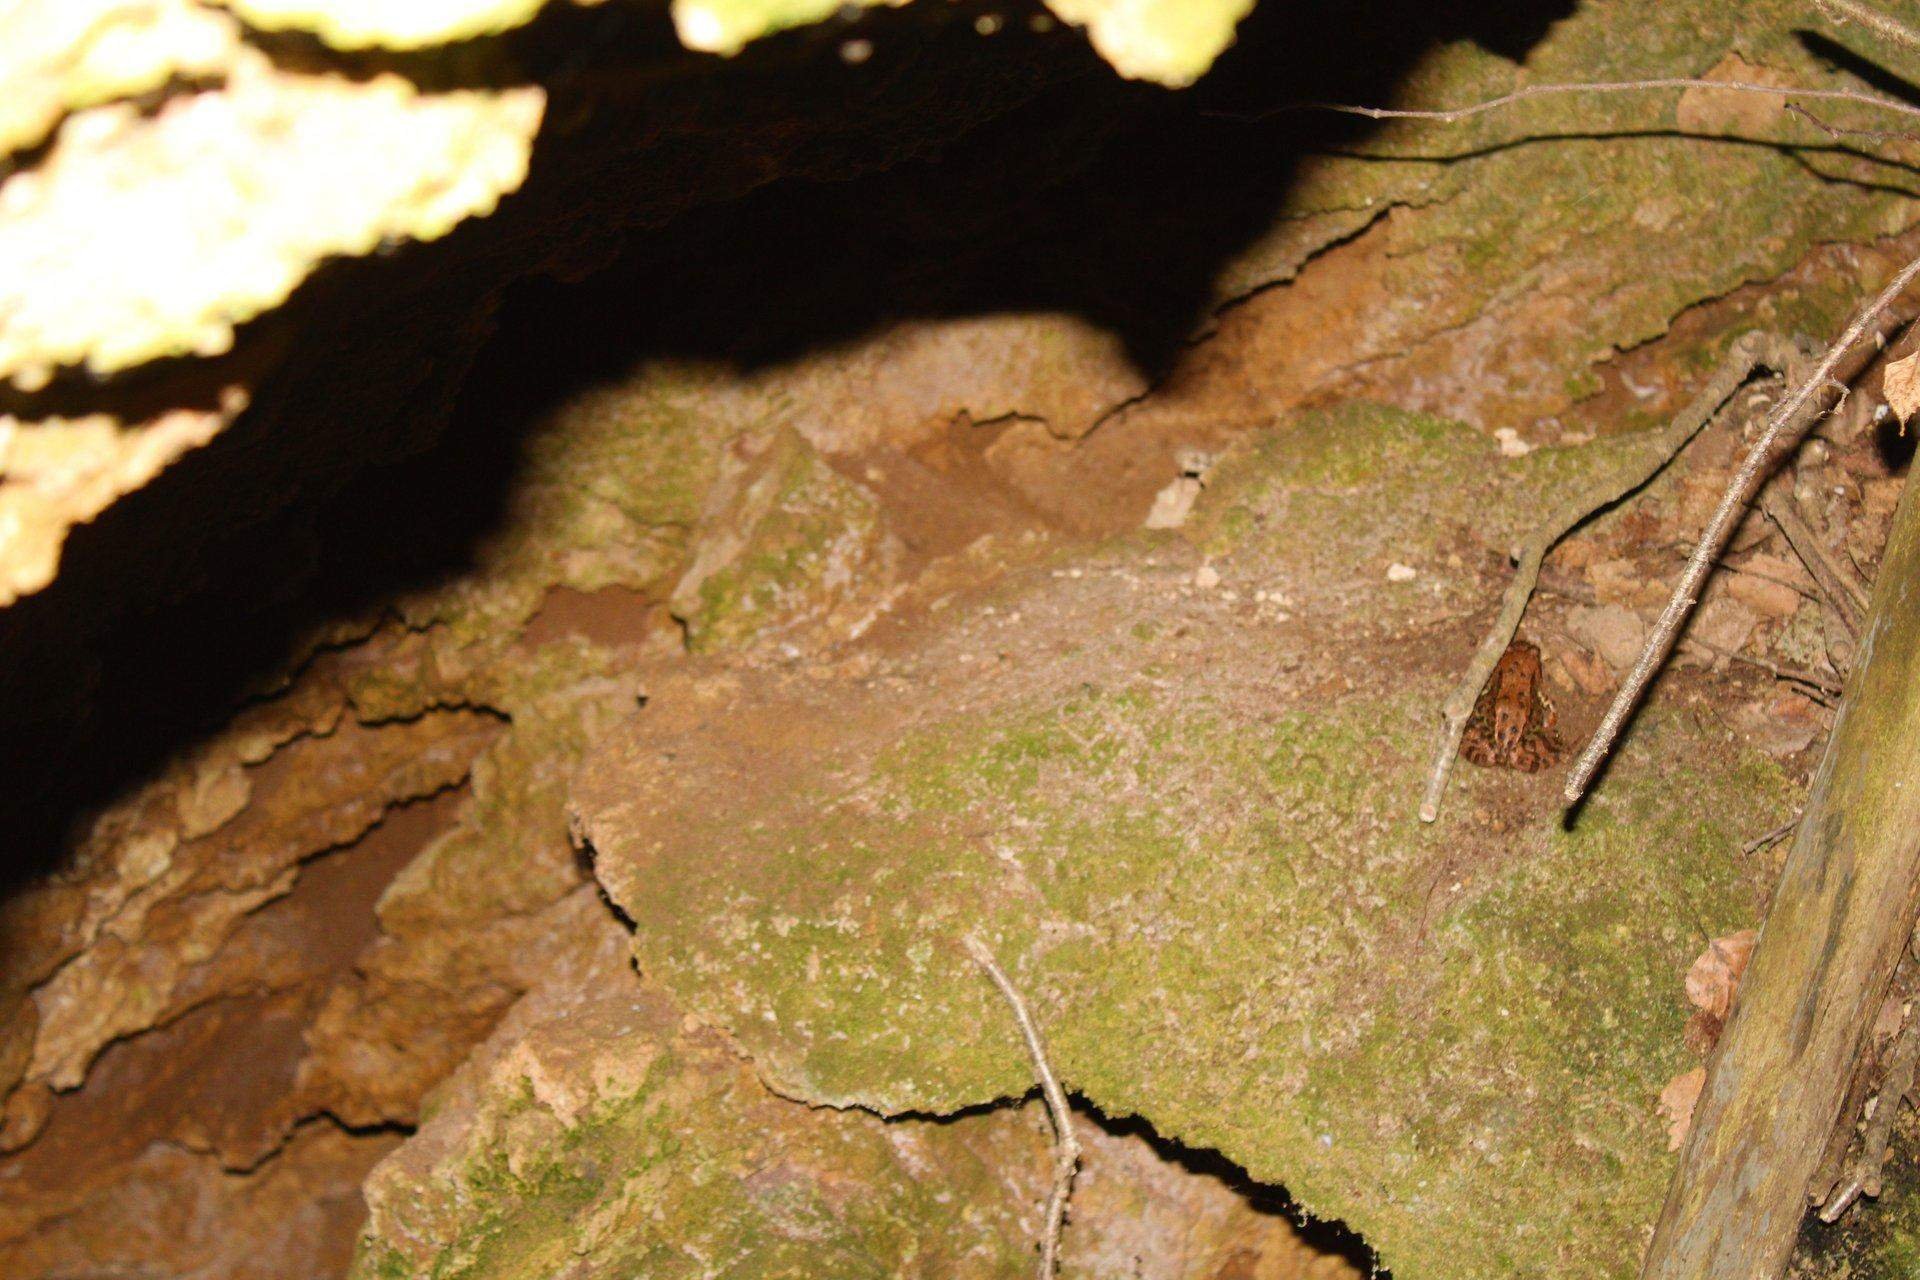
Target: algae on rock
(1222,907)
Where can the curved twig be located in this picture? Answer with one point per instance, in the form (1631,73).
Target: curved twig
(1066,1160)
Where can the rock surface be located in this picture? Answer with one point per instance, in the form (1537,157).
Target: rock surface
(907,669)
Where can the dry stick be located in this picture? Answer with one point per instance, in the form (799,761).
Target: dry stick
(1841,134)
(1772,837)
(1778,670)
(1751,349)
(1842,586)
(1455,114)
(1066,1159)
(1884,24)
(1788,419)
(1833,1163)
(1863,1175)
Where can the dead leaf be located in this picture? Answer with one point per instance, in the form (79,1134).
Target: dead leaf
(1677,1102)
(1901,386)
(1715,976)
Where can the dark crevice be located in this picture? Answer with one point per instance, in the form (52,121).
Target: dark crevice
(1327,1235)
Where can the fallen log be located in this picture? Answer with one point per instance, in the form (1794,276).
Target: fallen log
(1841,914)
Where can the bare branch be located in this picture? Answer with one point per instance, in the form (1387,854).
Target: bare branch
(1841,586)
(1791,416)
(1528,92)
(1066,1146)
(1749,351)
(1838,133)
(1881,24)
(1863,1175)
(1771,838)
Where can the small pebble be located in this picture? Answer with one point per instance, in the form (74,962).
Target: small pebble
(1511,445)
(1397,572)
(1206,578)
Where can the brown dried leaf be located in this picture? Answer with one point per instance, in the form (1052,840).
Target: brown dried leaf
(1677,1101)
(1715,976)
(1902,386)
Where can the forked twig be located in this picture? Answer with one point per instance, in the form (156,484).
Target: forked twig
(1788,419)
(1771,838)
(1066,1160)
(1747,352)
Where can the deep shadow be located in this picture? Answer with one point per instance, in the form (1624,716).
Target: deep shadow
(1894,442)
(1876,73)
(1325,1235)
(744,211)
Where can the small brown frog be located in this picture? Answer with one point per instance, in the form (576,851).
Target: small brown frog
(1512,723)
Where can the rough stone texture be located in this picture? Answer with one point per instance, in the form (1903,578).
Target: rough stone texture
(1175,806)
(65,55)
(292,1220)
(137,931)
(1188,826)
(602,1132)
(237,193)
(59,472)
(1171,41)
(361,24)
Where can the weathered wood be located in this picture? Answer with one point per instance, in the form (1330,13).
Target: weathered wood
(1842,912)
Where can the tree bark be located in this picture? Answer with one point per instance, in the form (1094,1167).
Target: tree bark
(1843,911)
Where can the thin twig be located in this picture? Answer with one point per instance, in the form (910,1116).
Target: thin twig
(1750,350)
(1771,838)
(1852,10)
(1862,1177)
(1066,1157)
(1455,114)
(1833,1163)
(1840,585)
(1840,133)
(1778,670)
(1788,419)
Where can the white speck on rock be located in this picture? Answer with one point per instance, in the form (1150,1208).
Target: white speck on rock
(1511,445)
(1397,572)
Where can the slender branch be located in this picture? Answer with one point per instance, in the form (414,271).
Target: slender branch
(1772,837)
(1066,1160)
(1778,670)
(1882,24)
(1788,419)
(1527,92)
(1839,584)
(1863,1175)
(1750,350)
(1840,133)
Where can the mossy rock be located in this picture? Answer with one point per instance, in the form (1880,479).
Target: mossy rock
(1185,823)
